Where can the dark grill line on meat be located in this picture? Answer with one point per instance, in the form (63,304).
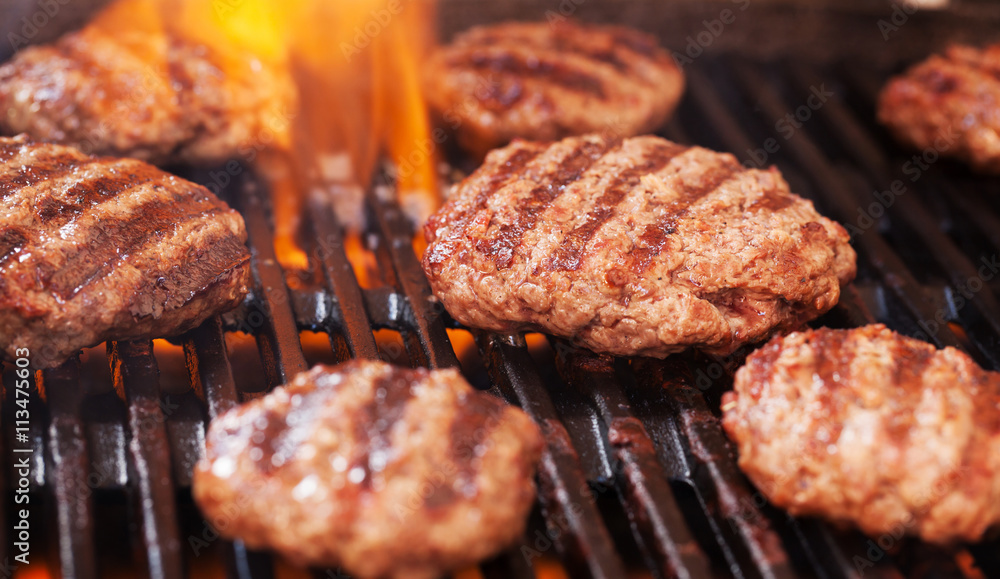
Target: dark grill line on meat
(567,256)
(511,170)
(564,44)
(46,168)
(551,72)
(472,426)
(553,184)
(11,239)
(118,241)
(655,235)
(139,226)
(87,194)
(393,393)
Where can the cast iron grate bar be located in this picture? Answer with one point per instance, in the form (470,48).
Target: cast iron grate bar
(643,489)
(211,376)
(743,531)
(278,339)
(69,465)
(564,493)
(348,297)
(136,376)
(395,232)
(426,312)
(394,228)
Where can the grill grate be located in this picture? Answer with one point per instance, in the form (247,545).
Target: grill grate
(638,439)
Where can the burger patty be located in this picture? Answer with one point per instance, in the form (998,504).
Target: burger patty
(385,471)
(638,247)
(866,426)
(949,103)
(93,249)
(545,81)
(134,94)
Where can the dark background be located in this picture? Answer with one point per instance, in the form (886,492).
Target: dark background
(815,29)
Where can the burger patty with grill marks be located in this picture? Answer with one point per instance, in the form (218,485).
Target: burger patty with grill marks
(869,427)
(385,471)
(950,103)
(635,247)
(95,248)
(544,81)
(113,90)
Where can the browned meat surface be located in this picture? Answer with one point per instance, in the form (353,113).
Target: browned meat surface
(868,427)
(384,471)
(134,94)
(642,247)
(93,249)
(545,81)
(949,104)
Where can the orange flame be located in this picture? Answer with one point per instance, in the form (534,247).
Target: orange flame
(355,67)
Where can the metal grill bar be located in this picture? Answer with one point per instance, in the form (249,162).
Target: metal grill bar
(137,378)
(69,461)
(425,311)
(348,298)
(589,550)
(643,489)
(394,231)
(278,338)
(707,466)
(211,376)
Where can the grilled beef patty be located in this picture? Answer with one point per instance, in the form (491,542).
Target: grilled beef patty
(93,249)
(385,471)
(545,81)
(949,104)
(133,94)
(641,247)
(868,427)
